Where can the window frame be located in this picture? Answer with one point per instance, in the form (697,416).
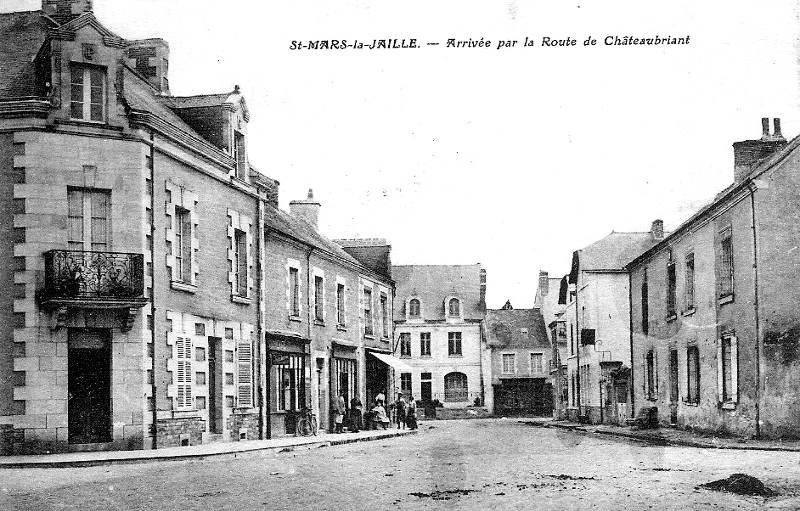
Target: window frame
(86,92)
(727,370)
(672,288)
(504,357)
(453,312)
(384,303)
(414,312)
(692,368)
(540,364)
(645,304)
(294,291)
(454,347)
(725,275)
(319,298)
(689,276)
(341,318)
(369,325)
(405,345)
(240,262)
(182,248)
(456,394)
(424,344)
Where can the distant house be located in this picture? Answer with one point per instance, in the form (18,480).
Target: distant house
(439,315)
(520,362)
(551,300)
(715,314)
(597,322)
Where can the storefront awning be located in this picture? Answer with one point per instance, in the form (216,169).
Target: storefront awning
(389,360)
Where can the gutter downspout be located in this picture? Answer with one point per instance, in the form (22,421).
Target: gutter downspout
(267,365)
(630,330)
(260,304)
(153,387)
(310,289)
(752,189)
(577,350)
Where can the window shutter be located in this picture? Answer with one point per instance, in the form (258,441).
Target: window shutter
(655,372)
(183,378)
(720,374)
(644,374)
(734,369)
(245,370)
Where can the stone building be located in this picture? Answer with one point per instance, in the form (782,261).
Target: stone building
(597,322)
(551,300)
(141,255)
(714,304)
(520,359)
(439,319)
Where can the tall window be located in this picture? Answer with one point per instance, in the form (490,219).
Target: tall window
(509,363)
(294,291)
(671,288)
(455,387)
(413,308)
(405,384)
(425,344)
(288,375)
(240,260)
(645,304)
(368,327)
(183,245)
(384,317)
(89,215)
(405,345)
(650,363)
(319,298)
(454,343)
(340,305)
(537,364)
(87,93)
(727,365)
(726,264)
(689,281)
(239,155)
(571,339)
(693,374)
(454,307)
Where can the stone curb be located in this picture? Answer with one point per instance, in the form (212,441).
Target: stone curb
(662,441)
(154,456)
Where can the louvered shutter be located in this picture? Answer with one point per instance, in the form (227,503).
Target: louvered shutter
(245,374)
(183,377)
(720,373)
(655,372)
(734,369)
(644,375)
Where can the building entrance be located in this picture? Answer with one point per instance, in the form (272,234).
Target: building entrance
(89,386)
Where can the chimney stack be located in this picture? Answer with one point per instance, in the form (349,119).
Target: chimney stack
(544,283)
(307,210)
(482,303)
(64,11)
(748,154)
(150,58)
(657,230)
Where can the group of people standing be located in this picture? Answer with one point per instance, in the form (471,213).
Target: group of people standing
(404,413)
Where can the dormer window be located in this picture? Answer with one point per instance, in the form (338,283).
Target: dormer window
(239,155)
(87,93)
(454,307)
(413,308)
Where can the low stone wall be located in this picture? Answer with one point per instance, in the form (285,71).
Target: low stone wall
(171,431)
(243,420)
(470,412)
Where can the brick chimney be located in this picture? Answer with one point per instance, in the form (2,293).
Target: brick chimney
(482,303)
(64,11)
(150,58)
(307,210)
(657,230)
(748,154)
(544,283)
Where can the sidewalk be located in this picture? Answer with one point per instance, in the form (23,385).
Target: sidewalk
(231,450)
(670,436)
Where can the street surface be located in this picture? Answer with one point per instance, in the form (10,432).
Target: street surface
(479,464)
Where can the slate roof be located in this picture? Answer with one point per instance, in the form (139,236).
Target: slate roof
(279,220)
(375,255)
(199,101)
(612,253)
(504,329)
(434,283)
(23,34)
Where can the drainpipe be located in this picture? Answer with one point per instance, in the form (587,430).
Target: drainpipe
(153,387)
(260,305)
(309,315)
(752,189)
(577,350)
(630,330)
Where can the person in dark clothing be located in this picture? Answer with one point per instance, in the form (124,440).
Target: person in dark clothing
(411,414)
(356,408)
(400,412)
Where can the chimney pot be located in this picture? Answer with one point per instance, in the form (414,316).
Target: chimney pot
(657,229)
(544,283)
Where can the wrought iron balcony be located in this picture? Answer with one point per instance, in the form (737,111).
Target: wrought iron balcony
(93,279)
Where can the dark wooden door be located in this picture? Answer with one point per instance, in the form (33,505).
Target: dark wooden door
(89,386)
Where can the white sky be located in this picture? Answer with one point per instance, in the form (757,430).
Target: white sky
(511,158)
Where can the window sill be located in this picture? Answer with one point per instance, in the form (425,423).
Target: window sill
(728,405)
(405,356)
(181,286)
(243,300)
(455,356)
(688,312)
(319,322)
(295,318)
(689,403)
(672,317)
(369,337)
(341,328)
(722,300)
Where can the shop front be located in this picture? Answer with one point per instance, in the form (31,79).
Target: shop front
(288,380)
(344,376)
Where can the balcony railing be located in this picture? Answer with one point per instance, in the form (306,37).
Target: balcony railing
(74,275)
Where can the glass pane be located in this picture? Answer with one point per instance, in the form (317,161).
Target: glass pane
(76,92)
(96,78)
(99,230)
(96,113)
(76,110)
(76,75)
(99,205)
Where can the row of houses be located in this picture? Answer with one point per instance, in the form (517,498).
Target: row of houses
(699,324)
(156,295)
